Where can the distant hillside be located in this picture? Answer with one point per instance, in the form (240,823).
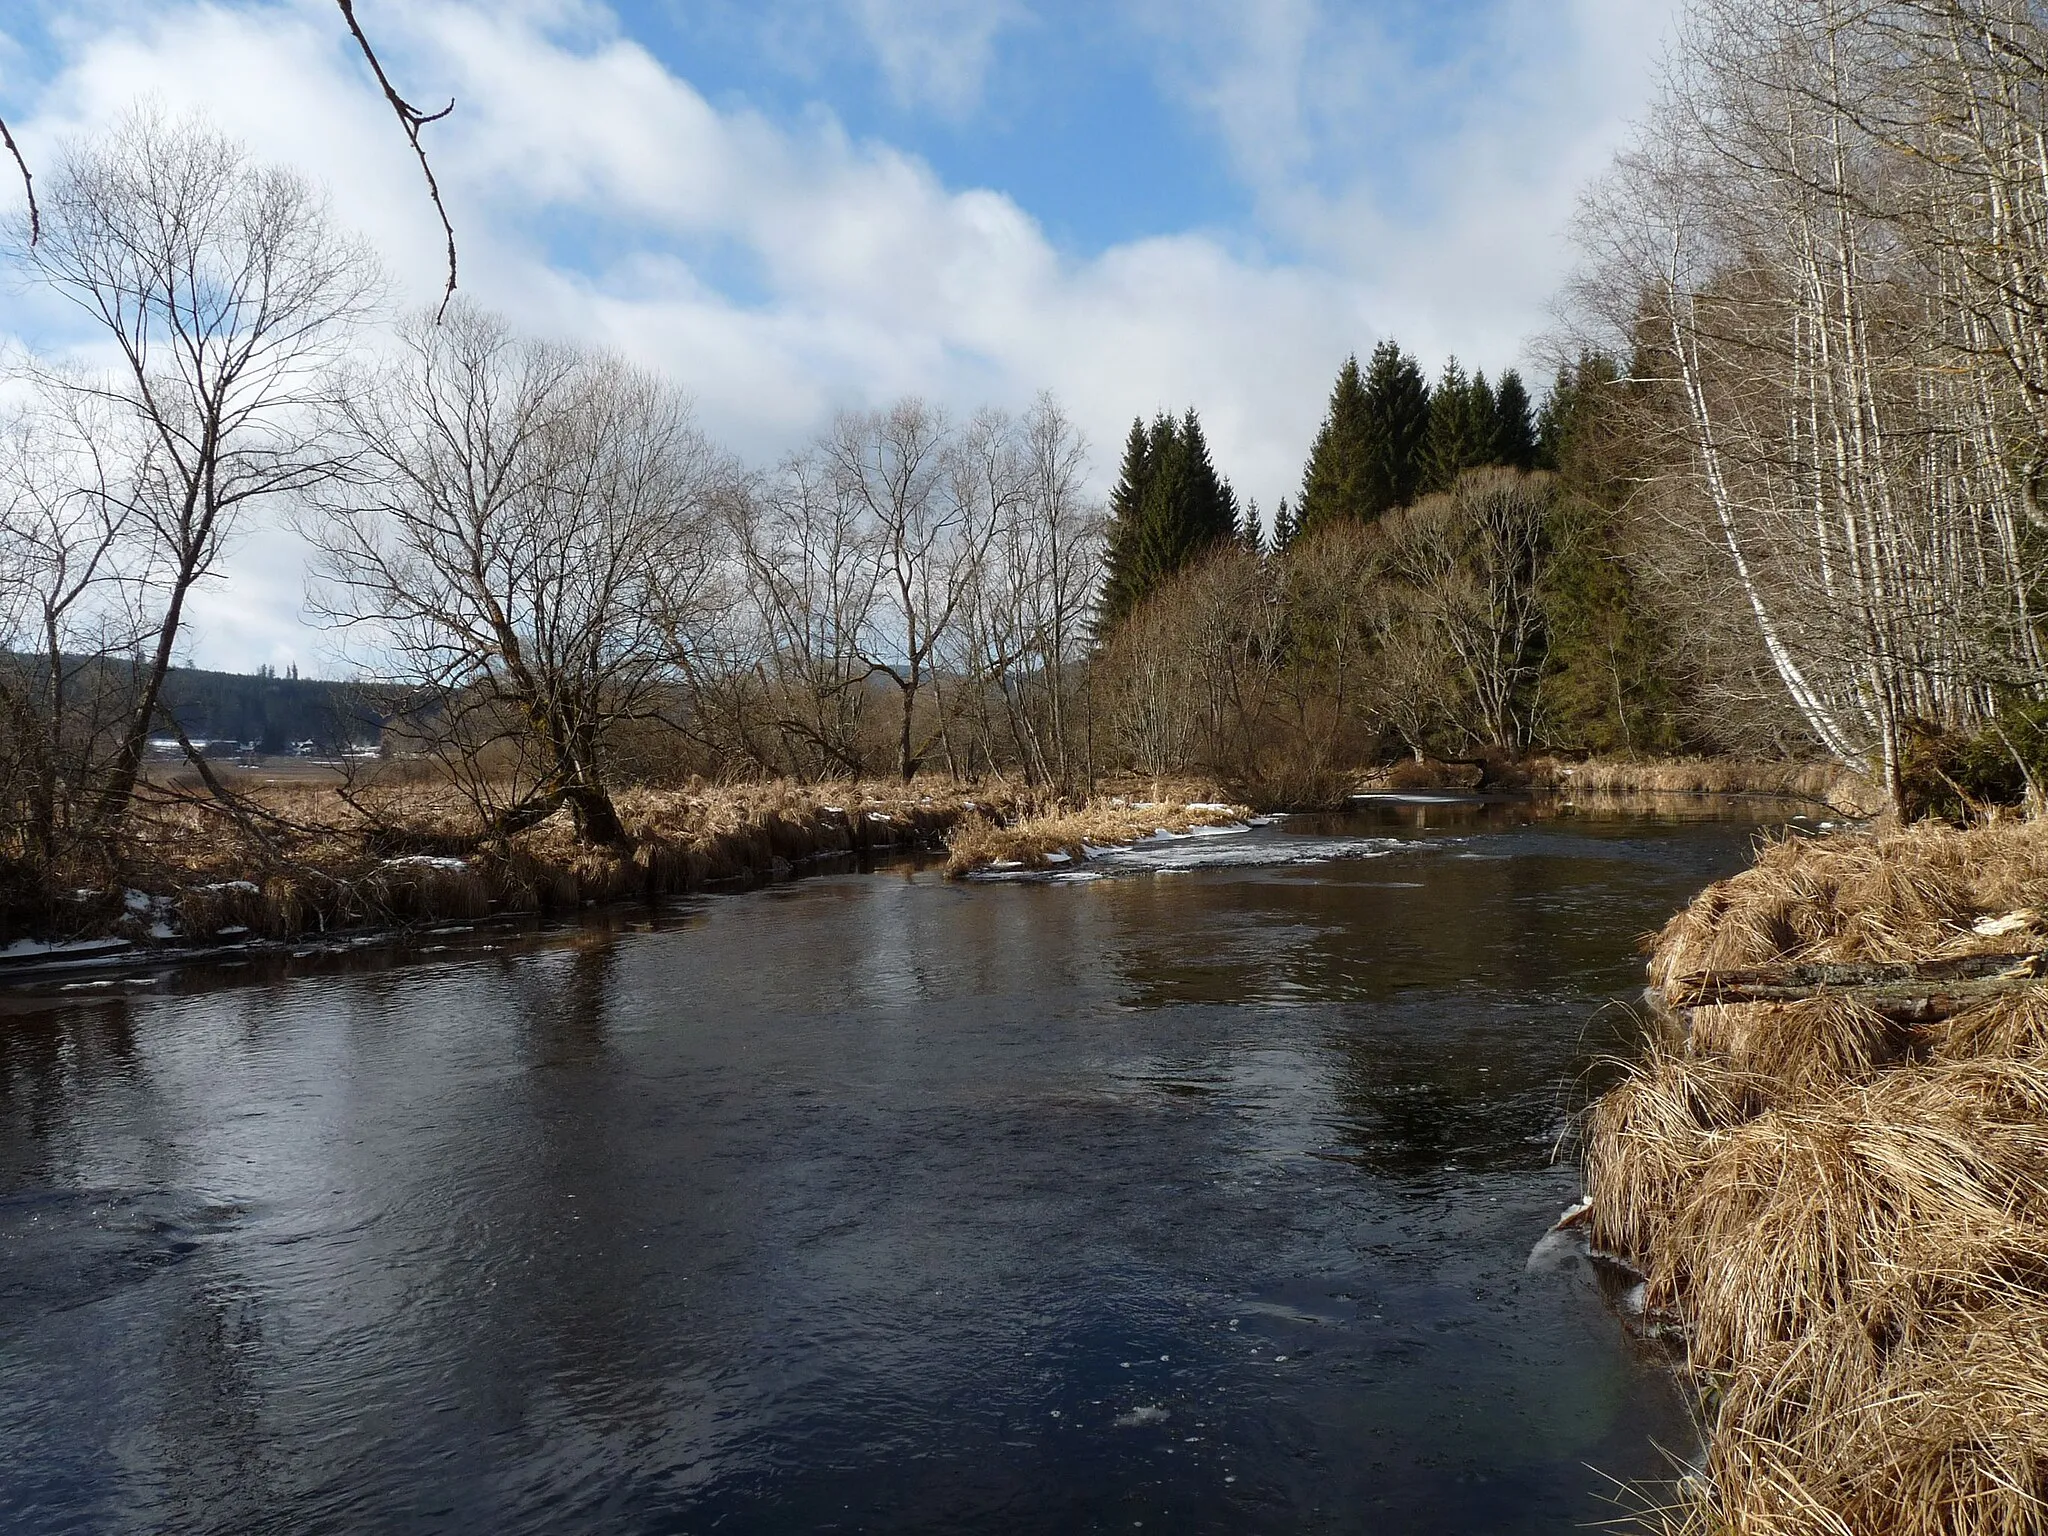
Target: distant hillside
(261,708)
(270,711)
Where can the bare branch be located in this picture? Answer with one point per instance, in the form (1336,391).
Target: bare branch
(28,185)
(412,120)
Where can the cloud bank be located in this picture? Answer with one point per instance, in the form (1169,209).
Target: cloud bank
(782,269)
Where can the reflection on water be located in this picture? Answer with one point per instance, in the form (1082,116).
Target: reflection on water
(1194,1198)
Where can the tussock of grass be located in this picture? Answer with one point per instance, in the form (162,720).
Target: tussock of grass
(1814,1044)
(1891,897)
(1846,1220)
(979,842)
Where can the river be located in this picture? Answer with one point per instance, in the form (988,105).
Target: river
(1193,1197)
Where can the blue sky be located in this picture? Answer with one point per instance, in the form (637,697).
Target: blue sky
(798,206)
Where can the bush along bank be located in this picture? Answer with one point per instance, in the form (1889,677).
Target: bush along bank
(1831,1173)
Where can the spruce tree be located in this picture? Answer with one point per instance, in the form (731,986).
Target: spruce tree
(1163,542)
(1396,430)
(1209,515)
(1514,430)
(1283,527)
(1334,483)
(1482,417)
(1123,582)
(1168,507)
(1460,427)
(1251,533)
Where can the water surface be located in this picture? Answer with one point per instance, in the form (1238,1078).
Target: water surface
(1191,1198)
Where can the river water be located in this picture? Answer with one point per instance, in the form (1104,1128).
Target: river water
(1194,1197)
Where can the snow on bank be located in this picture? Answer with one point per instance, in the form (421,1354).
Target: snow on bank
(1219,847)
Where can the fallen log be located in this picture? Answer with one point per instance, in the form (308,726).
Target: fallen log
(1906,994)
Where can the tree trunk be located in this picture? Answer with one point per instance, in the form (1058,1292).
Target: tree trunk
(127,767)
(905,762)
(597,819)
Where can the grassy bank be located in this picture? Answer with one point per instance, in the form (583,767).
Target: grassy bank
(304,858)
(1062,835)
(1832,1175)
(1819,784)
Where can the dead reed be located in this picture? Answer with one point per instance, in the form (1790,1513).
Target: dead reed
(1821,783)
(1033,842)
(303,858)
(407,851)
(1845,1218)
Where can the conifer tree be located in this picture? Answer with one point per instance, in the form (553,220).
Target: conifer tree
(1168,507)
(1283,527)
(1461,427)
(1397,430)
(1123,558)
(1251,533)
(1514,430)
(1334,483)
(1209,514)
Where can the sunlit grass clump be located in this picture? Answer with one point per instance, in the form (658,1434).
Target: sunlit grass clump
(1845,1218)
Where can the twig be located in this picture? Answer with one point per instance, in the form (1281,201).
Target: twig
(412,120)
(28,184)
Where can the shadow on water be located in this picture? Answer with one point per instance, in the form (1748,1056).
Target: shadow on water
(1196,1196)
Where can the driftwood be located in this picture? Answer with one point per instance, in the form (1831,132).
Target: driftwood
(1906,994)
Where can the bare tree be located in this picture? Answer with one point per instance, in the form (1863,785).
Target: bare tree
(1826,253)
(410,121)
(811,590)
(67,618)
(1473,559)
(926,541)
(1033,598)
(221,288)
(531,536)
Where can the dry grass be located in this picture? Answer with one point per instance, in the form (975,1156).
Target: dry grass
(1032,842)
(408,852)
(1821,783)
(1847,1220)
(1883,897)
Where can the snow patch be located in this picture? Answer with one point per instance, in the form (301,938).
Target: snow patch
(2012,922)
(29,949)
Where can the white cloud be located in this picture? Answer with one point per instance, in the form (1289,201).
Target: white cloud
(1432,166)
(935,52)
(783,270)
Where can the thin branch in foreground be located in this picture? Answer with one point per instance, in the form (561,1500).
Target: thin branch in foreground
(412,120)
(28,184)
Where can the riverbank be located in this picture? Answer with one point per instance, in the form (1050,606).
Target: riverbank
(981,844)
(1826,785)
(1831,1173)
(305,858)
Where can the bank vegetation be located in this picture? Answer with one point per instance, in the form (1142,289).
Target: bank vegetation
(1823,260)
(1778,505)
